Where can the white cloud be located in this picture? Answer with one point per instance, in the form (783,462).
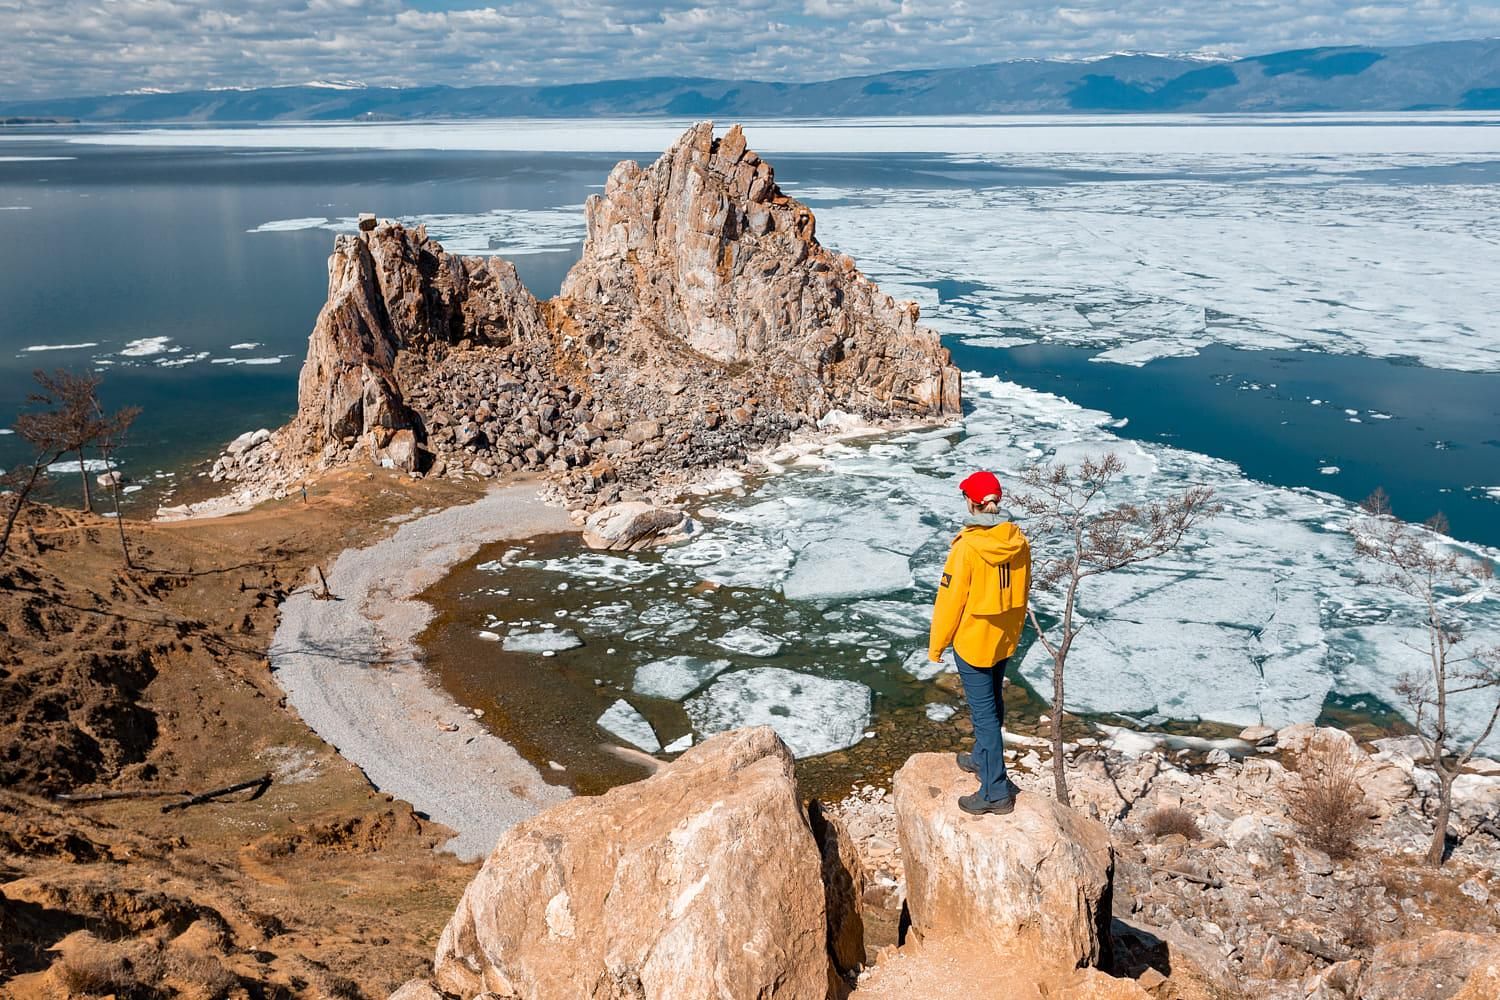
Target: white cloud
(63,47)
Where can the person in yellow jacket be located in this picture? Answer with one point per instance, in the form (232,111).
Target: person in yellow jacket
(980,611)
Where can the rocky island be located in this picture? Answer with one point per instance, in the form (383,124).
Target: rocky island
(703,320)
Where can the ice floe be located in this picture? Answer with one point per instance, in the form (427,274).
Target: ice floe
(676,677)
(749,642)
(290,225)
(595,566)
(814,715)
(508,231)
(250,361)
(843,568)
(145,347)
(547,641)
(59,347)
(621,720)
(89,465)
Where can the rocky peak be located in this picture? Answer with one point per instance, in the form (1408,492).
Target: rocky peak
(697,265)
(703,250)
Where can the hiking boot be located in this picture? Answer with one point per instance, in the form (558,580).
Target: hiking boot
(966,762)
(978,805)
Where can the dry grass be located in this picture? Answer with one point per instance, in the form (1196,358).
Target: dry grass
(1165,822)
(1329,805)
(205,972)
(100,969)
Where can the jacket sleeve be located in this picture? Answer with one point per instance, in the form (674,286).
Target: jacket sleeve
(948,610)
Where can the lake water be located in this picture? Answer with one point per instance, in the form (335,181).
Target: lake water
(1294,313)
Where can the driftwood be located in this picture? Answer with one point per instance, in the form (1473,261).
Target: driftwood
(259,784)
(134,793)
(326,594)
(1207,880)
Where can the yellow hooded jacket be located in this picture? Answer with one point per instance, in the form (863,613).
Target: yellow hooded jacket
(981,601)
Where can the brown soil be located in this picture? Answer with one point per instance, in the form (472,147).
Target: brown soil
(155,679)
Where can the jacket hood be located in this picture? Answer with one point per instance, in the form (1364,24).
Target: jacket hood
(996,544)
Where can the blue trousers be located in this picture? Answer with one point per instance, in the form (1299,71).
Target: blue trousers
(987,710)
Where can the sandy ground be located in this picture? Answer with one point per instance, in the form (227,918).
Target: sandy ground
(152,678)
(351,670)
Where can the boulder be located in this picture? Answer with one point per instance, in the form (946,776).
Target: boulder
(418,989)
(402,450)
(1257,735)
(1035,883)
(703,880)
(631,525)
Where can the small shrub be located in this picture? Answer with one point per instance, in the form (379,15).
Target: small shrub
(203,971)
(1165,822)
(1358,925)
(97,969)
(1329,806)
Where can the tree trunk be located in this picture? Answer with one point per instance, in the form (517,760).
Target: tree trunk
(1440,832)
(17,501)
(1059,765)
(83,472)
(114,492)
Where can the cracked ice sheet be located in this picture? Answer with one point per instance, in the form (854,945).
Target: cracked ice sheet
(1142,269)
(676,677)
(1259,616)
(814,715)
(843,568)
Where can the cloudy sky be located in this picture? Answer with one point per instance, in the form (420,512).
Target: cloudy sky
(69,47)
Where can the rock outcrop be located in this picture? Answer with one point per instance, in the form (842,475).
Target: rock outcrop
(704,880)
(725,264)
(1434,967)
(1034,884)
(703,320)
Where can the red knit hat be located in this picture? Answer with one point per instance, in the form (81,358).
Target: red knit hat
(981,488)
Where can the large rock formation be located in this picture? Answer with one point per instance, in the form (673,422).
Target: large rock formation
(1034,885)
(702,248)
(704,880)
(704,319)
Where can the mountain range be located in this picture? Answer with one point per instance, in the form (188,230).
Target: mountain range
(1458,75)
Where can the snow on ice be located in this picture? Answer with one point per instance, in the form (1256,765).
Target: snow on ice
(814,715)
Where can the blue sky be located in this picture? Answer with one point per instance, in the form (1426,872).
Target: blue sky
(63,47)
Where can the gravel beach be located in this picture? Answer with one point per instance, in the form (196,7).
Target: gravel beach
(351,670)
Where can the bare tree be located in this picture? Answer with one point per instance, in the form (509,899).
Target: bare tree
(112,430)
(67,419)
(72,417)
(1418,562)
(1068,507)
